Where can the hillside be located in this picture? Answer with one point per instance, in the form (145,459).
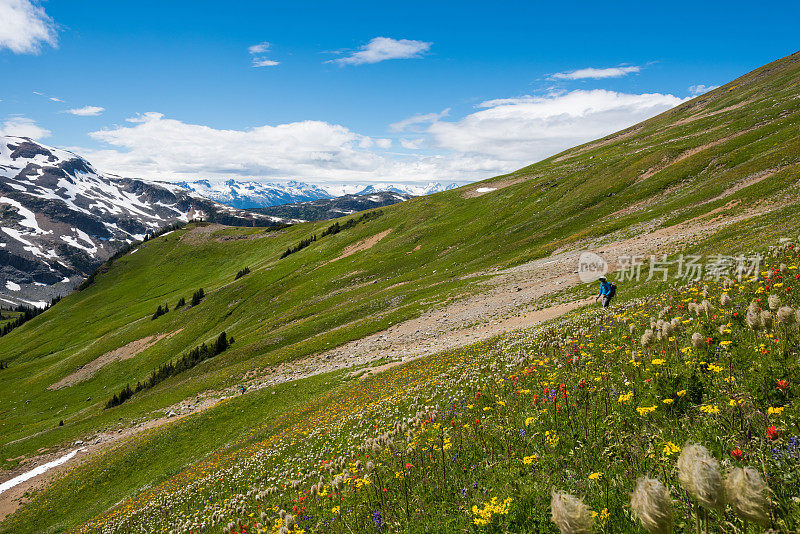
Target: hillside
(332,208)
(61,219)
(718,174)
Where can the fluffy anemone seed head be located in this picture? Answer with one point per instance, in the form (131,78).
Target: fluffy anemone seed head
(647,338)
(652,506)
(747,493)
(725,300)
(676,324)
(570,514)
(766,319)
(697,340)
(774,302)
(699,474)
(785,314)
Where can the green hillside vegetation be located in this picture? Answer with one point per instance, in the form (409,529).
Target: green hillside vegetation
(733,153)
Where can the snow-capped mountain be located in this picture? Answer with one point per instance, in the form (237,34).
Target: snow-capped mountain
(408,189)
(331,208)
(60,218)
(248,194)
(245,194)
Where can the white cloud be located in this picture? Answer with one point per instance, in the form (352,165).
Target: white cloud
(264,62)
(86,111)
(54,99)
(25,27)
(527,129)
(412,144)
(502,135)
(595,74)
(259,48)
(23,127)
(383,48)
(700,89)
(414,122)
(261,61)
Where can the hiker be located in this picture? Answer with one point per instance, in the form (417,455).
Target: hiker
(607,291)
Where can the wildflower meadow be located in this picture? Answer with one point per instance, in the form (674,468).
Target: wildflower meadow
(671,413)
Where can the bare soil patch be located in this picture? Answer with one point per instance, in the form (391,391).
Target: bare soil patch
(122,353)
(363,245)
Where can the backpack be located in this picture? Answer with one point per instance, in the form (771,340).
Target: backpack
(612,291)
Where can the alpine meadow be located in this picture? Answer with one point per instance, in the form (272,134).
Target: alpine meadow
(434,364)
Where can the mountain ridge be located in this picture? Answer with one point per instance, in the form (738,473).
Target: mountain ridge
(725,166)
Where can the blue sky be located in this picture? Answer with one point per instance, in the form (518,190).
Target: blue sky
(181,96)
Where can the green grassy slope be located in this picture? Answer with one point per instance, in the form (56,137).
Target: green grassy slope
(707,154)
(305,303)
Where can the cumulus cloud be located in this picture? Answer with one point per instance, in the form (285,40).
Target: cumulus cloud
(86,111)
(595,74)
(700,89)
(23,127)
(25,27)
(258,60)
(414,122)
(529,128)
(383,48)
(500,136)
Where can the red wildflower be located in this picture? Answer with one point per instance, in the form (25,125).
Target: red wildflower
(709,340)
(737,453)
(783,384)
(409,466)
(772,432)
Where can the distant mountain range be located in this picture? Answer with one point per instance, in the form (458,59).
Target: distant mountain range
(331,208)
(248,194)
(60,218)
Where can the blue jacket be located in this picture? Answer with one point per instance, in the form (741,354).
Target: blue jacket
(605,288)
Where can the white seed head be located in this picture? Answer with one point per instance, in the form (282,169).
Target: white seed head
(774,302)
(724,300)
(697,340)
(647,338)
(652,505)
(766,319)
(570,514)
(699,474)
(747,493)
(785,314)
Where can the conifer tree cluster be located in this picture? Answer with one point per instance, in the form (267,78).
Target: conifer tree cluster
(243,272)
(160,311)
(26,313)
(335,228)
(184,363)
(197,297)
(181,303)
(3,364)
